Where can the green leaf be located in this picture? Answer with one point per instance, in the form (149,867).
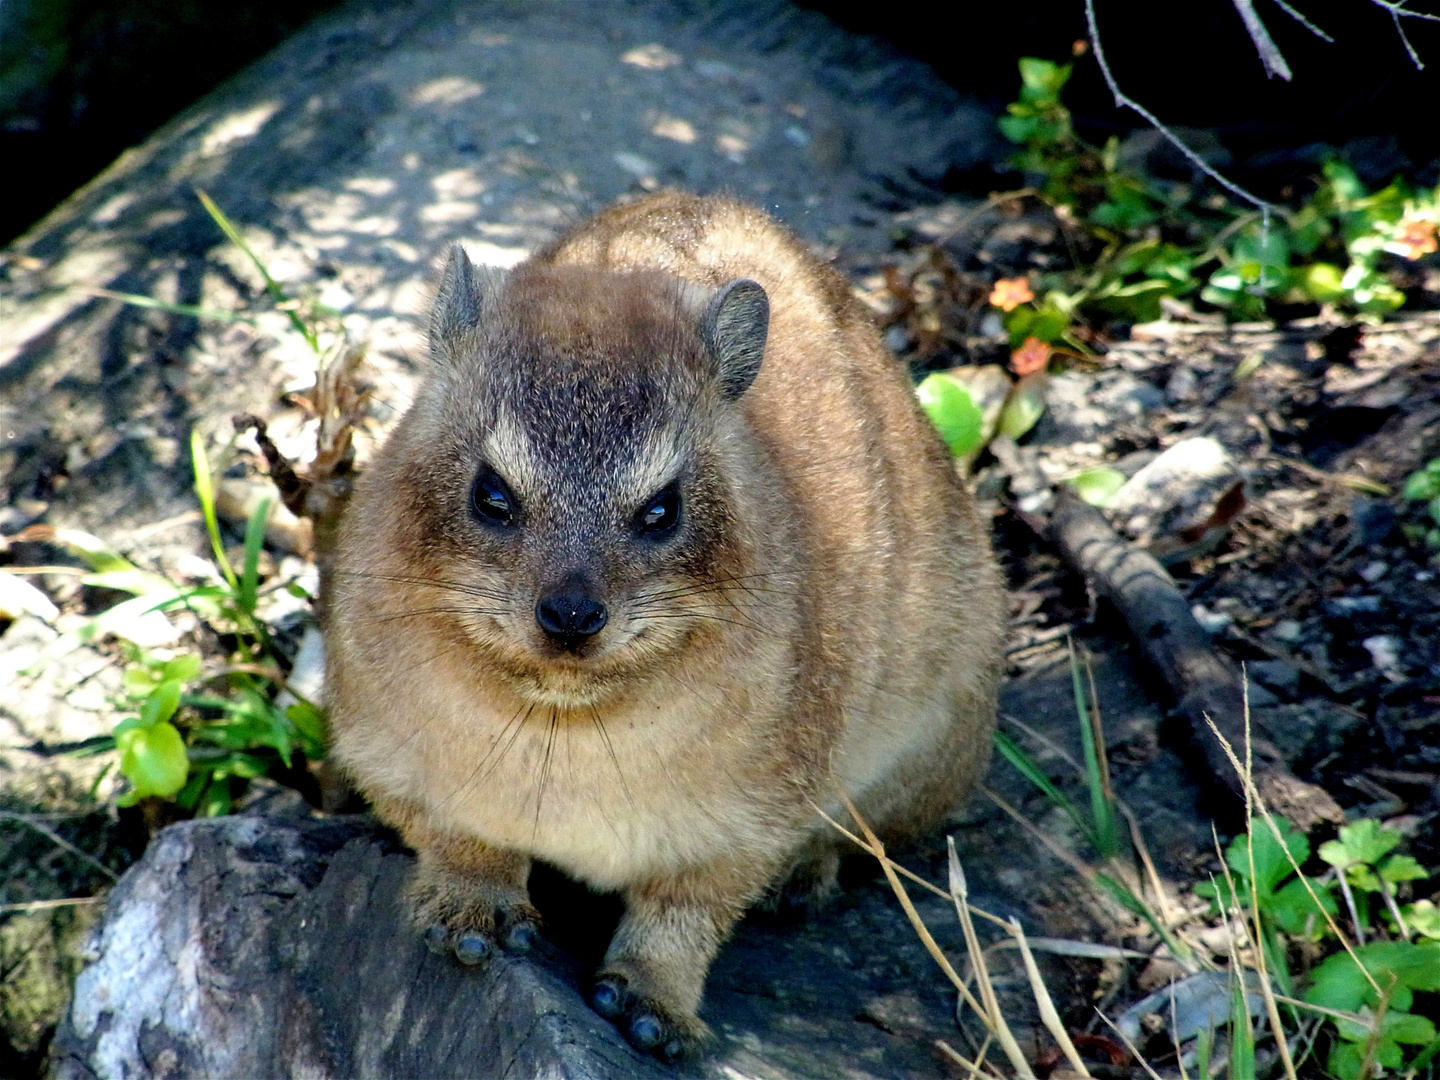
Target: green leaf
(1364,841)
(161,704)
(153,759)
(1339,984)
(1098,486)
(1294,910)
(1271,865)
(205,492)
(1043,77)
(1423,917)
(955,415)
(1024,407)
(1422,485)
(254,541)
(183,669)
(310,724)
(1400,868)
(1321,281)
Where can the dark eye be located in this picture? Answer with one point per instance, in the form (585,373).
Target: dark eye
(491,499)
(660,515)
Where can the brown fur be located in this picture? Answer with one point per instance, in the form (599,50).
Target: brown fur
(831,608)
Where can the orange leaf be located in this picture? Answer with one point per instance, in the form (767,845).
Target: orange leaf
(1010,293)
(1031,356)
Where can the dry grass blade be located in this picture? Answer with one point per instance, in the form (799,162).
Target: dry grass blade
(1175,1035)
(878,850)
(994,1023)
(1261,960)
(1130,1046)
(959,893)
(916,878)
(959,1059)
(1048,1016)
(1279,839)
(1068,858)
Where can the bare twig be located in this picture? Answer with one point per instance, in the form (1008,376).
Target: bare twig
(1397,9)
(1124,102)
(1264,44)
(59,841)
(46,905)
(1303,21)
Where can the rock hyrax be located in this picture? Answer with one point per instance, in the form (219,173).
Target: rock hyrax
(662,550)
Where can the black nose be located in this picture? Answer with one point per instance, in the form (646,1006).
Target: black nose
(570,615)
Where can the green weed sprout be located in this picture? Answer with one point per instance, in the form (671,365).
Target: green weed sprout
(1366,993)
(1423,486)
(184,744)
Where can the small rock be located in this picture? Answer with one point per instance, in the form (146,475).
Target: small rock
(1212,622)
(1384,650)
(1182,386)
(1372,572)
(1373,521)
(1279,675)
(1194,487)
(1287,630)
(1344,606)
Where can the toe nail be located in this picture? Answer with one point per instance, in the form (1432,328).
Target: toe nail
(471,948)
(645,1031)
(520,937)
(606,999)
(436,938)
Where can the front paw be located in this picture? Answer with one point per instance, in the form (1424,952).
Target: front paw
(649,1026)
(471,916)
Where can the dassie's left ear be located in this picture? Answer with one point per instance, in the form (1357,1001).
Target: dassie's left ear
(734,327)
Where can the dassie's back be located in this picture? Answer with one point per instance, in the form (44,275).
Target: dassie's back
(898,566)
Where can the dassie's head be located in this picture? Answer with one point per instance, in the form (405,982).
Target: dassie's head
(562,498)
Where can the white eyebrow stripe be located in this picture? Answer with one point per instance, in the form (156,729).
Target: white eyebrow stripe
(655,466)
(508,451)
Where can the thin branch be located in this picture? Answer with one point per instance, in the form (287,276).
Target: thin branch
(1123,102)
(59,841)
(1405,40)
(1303,21)
(1264,44)
(46,905)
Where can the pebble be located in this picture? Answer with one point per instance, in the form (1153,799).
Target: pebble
(1384,650)
(1212,622)
(1287,630)
(1372,572)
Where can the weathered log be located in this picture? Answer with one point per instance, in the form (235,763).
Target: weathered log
(1205,682)
(256,947)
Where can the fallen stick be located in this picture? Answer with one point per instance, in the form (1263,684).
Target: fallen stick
(1205,681)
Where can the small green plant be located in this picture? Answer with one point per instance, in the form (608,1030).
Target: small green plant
(192,734)
(1113,875)
(1156,241)
(1423,486)
(1368,990)
(185,742)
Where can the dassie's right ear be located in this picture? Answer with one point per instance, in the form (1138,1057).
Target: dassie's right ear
(734,328)
(459,300)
